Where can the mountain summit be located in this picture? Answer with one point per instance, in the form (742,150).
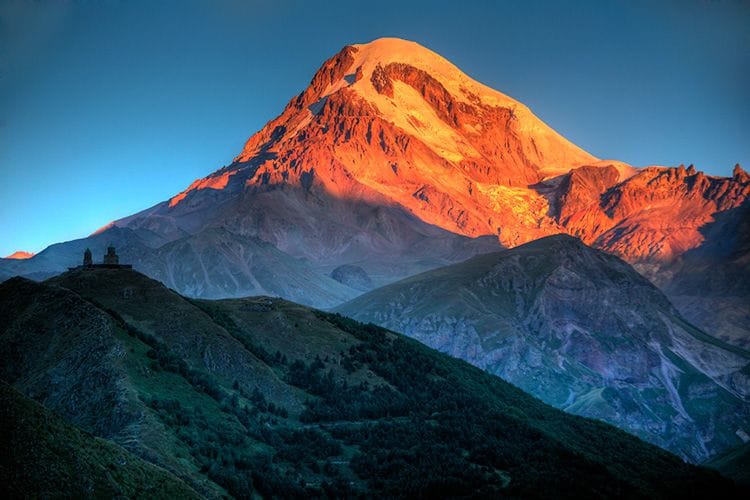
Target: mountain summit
(432,101)
(20,255)
(392,120)
(393,123)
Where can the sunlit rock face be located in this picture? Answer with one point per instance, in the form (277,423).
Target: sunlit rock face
(583,331)
(395,161)
(392,122)
(20,255)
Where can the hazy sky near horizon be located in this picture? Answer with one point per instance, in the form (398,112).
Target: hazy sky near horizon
(107,108)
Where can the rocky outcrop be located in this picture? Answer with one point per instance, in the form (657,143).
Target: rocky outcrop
(579,199)
(659,214)
(431,90)
(352,276)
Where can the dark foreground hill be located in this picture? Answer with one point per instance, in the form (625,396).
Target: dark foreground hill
(44,456)
(265,396)
(734,463)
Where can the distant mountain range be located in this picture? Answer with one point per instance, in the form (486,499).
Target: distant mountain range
(262,396)
(392,162)
(583,331)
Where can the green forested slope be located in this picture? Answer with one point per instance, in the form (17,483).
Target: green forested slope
(265,396)
(43,456)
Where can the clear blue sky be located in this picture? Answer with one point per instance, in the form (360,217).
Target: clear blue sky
(109,107)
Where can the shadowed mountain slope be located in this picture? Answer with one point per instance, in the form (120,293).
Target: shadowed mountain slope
(734,464)
(710,284)
(583,331)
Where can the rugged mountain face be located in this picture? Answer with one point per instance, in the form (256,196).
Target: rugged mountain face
(709,284)
(265,397)
(685,231)
(219,262)
(392,160)
(583,331)
(387,123)
(655,216)
(378,164)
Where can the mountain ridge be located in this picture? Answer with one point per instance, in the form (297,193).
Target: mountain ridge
(20,255)
(583,331)
(391,148)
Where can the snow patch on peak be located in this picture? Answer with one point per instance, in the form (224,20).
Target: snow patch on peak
(559,154)
(384,51)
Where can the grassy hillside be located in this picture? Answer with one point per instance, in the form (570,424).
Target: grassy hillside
(264,396)
(44,456)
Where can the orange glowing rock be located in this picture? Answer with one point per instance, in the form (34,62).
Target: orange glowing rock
(215,181)
(20,255)
(394,123)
